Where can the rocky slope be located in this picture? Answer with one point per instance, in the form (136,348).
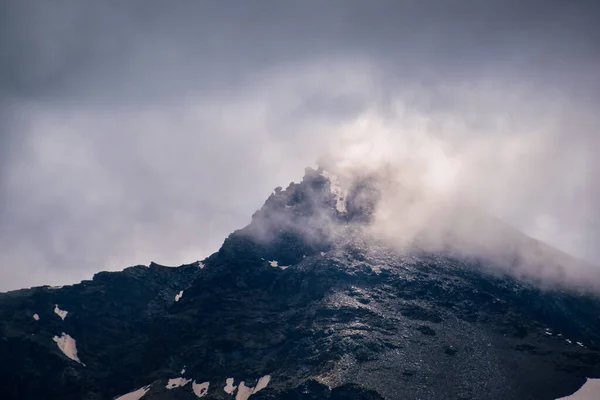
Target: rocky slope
(303,303)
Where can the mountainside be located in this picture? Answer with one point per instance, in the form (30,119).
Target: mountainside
(303,303)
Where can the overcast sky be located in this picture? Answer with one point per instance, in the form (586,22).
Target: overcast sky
(138,131)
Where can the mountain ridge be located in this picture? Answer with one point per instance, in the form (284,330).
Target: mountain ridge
(307,296)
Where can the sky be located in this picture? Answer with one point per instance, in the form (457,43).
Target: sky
(146,131)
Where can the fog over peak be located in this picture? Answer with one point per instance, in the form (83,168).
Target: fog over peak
(144,131)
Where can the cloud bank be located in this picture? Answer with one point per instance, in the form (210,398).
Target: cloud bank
(139,132)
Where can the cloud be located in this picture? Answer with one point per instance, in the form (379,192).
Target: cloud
(138,132)
(525,167)
(443,196)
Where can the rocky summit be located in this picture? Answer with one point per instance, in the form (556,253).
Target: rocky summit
(303,303)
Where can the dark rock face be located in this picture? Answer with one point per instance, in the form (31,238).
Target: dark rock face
(305,296)
(111,318)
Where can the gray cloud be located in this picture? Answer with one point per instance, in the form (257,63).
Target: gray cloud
(145,131)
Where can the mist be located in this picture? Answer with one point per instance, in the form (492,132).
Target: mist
(141,132)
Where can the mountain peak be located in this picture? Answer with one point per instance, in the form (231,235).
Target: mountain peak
(306,302)
(321,193)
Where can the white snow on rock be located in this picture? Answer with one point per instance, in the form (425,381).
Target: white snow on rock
(322,254)
(179,295)
(569,341)
(200,264)
(136,395)
(36,317)
(182,371)
(61,313)
(229,387)
(580,344)
(54,287)
(336,191)
(589,391)
(275,264)
(244,392)
(68,346)
(262,383)
(177,382)
(200,389)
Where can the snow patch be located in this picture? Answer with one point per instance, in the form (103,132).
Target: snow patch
(178,295)
(322,254)
(182,371)
(68,346)
(200,264)
(54,287)
(200,389)
(568,341)
(136,395)
(244,392)
(262,383)
(580,344)
(36,317)
(229,387)
(177,382)
(61,313)
(590,390)
(275,264)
